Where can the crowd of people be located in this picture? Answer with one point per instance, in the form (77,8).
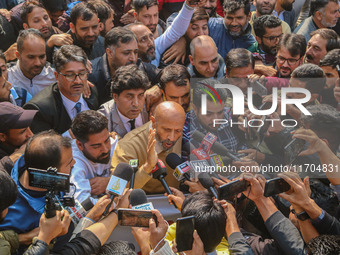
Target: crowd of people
(86,86)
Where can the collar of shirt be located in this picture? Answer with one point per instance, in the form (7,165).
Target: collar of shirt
(125,120)
(280,16)
(69,105)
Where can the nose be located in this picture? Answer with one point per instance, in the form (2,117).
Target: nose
(8,85)
(91,32)
(77,79)
(29,133)
(210,67)
(200,32)
(171,136)
(180,101)
(133,57)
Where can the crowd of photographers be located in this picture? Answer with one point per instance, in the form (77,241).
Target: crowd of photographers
(99,108)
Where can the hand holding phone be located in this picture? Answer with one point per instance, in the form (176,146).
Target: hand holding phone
(135,218)
(275,186)
(292,150)
(184,233)
(231,189)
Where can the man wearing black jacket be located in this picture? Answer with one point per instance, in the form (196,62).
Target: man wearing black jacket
(121,50)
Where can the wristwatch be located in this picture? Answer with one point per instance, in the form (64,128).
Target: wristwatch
(301,216)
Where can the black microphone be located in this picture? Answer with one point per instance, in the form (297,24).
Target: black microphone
(216,147)
(121,176)
(207,183)
(134,164)
(159,173)
(139,200)
(181,169)
(188,147)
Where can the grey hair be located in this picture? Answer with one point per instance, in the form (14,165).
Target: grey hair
(68,53)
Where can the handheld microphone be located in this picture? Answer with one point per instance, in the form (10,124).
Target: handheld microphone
(207,183)
(79,210)
(159,173)
(200,154)
(198,166)
(181,169)
(134,164)
(216,147)
(187,148)
(207,142)
(121,176)
(139,201)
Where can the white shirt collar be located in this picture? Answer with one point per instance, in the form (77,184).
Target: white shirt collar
(69,105)
(125,120)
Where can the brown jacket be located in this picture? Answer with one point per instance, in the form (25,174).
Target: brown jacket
(133,146)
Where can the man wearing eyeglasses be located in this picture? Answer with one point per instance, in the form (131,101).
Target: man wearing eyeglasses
(268,33)
(59,103)
(290,53)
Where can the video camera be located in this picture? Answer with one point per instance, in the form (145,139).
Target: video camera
(56,183)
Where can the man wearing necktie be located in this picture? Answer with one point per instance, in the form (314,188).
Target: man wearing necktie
(126,111)
(59,103)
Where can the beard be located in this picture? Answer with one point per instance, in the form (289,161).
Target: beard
(269,50)
(327,24)
(103,158)
(160,142)
(287,6)
(237,34)
(265,12)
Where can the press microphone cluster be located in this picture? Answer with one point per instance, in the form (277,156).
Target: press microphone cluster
(79,210)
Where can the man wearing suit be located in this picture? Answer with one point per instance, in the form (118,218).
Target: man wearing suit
(59,103)
(126,110)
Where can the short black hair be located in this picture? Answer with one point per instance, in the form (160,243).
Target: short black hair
(210,218)
(325,122)
(312,75)
(138,5)
(118,35)
(235,5)
(330,36)
(199,88)
(294,43)
(8,191)
(317,5)
(129,77)
(54,5)
(87,123)
(25,34)
(324,244)
(82,10)
(239,57)
(103,9)
(43,150)
(332,58)
(27,8)
(265,21)
(175,73)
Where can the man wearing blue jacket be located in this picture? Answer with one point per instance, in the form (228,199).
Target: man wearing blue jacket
(44,150)
(234,30)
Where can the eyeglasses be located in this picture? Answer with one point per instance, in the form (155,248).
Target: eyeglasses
(73,76)
(290,61)
(273,38)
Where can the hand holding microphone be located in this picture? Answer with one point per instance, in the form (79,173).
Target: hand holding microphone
(121,176)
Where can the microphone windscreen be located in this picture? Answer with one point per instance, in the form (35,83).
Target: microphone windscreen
(138,197)
(123,171)
(205,180)
(173,160)
(198,136)
(188,147)
(159,170)
(87,204)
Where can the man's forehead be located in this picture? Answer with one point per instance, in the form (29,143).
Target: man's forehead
(273,31)
(37,12)
(236,12)
(90,22)
(151,9)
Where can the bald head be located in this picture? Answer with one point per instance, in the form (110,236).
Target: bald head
(44,150)
(169,111)
(168,120)
(202,42)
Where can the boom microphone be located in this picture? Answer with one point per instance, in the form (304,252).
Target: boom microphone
(134,164)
